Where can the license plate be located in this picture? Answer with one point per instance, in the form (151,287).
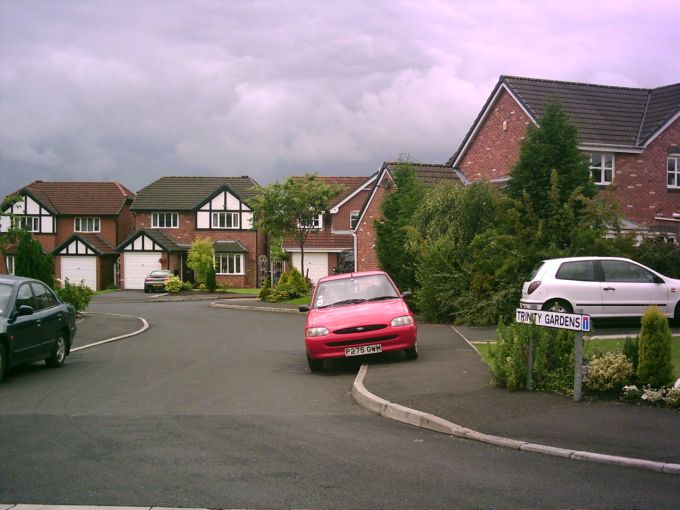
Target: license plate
(364,349)
(159,285)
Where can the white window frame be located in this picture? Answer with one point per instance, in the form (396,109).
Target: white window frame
(317,223)
(22,221)
(602,169)
(9,264)
(234,216)
(229,264)
(172,216)
(353,218)
(675,173)
(86,220)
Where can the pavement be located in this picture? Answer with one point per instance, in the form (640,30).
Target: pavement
(448,390)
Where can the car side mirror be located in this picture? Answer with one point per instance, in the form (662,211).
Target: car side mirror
(303,308)
(24,310)
(406,294)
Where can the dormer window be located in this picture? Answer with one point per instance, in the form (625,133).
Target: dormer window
(87,224)
(602,168)
(164,220)
(225,220)
(353,218)
(317,223)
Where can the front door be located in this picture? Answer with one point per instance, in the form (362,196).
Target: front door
(627,289)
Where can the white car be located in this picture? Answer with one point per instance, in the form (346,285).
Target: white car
(600,287)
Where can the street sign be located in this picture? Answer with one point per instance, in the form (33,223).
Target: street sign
(574,322)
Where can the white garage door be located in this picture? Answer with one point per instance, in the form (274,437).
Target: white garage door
(316,263)
(78,269)
(137,265)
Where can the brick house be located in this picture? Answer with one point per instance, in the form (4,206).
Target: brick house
(429,174)
(632,136)
(172,212)
(79,223)
(331,243)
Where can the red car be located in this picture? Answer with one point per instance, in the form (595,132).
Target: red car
(353,314)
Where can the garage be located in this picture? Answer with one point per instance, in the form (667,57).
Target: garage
(137,265)
(79,268)
(315,263)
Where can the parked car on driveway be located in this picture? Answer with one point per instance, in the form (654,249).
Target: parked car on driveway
(34,324)
(156,280)
(354,314)
(600,287)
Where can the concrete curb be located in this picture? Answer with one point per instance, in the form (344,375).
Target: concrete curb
(427,421)
(145,326)
(256,308)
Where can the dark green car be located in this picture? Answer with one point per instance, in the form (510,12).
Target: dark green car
(34,324)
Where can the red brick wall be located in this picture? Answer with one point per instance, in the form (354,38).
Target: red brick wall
(366,258)
(126,223)
(341,220)
(494,151)
(640,180)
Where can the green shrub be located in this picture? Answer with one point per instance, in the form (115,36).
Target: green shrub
(609,372)
(265,290)
(291,285)
(224,286)
(77,295)
(654,364)
(631,348)
(211,279)
(174,285)
(187,285)
(553,358)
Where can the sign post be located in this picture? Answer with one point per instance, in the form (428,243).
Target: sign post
(573,322)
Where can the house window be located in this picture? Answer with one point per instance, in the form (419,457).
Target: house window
(229,263)
(317,223)
(164,220)
(602,167)
(353,218)
(87,224)
(9,263)
(673,169)
(30,223)
(225,220)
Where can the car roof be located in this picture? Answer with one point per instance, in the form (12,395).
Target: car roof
(11,279)
(576,259)
(343,276)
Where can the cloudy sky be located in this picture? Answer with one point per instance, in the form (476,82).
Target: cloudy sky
(134,90)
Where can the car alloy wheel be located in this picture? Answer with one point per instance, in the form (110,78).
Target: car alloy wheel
(58,356)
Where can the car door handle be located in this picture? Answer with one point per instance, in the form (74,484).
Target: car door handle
(609,288)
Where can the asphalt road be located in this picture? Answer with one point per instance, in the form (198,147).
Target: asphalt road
(216,408)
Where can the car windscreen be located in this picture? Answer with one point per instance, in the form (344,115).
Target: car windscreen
(347,291)
(5,292)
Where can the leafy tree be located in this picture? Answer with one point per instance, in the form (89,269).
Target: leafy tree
(552,146)
(289,208)
(397,209)
(31,260)
(201,258)
(211,279)
(8,238)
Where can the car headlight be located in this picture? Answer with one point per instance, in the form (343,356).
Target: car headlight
(316,331)
(404,320)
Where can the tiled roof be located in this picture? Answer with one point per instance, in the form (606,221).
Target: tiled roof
(100,245)
(186,193)
(323,239)
(165,241)
(604,115)
(350,184)
(75,198)
(229,247)
(427,173)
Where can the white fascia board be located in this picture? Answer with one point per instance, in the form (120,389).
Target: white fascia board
(335,209)
(663,128)
(381,175)
(603,147)
(316,250)
(484,116)
(664,218)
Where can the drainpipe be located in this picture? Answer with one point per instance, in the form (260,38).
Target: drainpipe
(356,257)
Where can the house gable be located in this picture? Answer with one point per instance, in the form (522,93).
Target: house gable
(29,207)
(224,200)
